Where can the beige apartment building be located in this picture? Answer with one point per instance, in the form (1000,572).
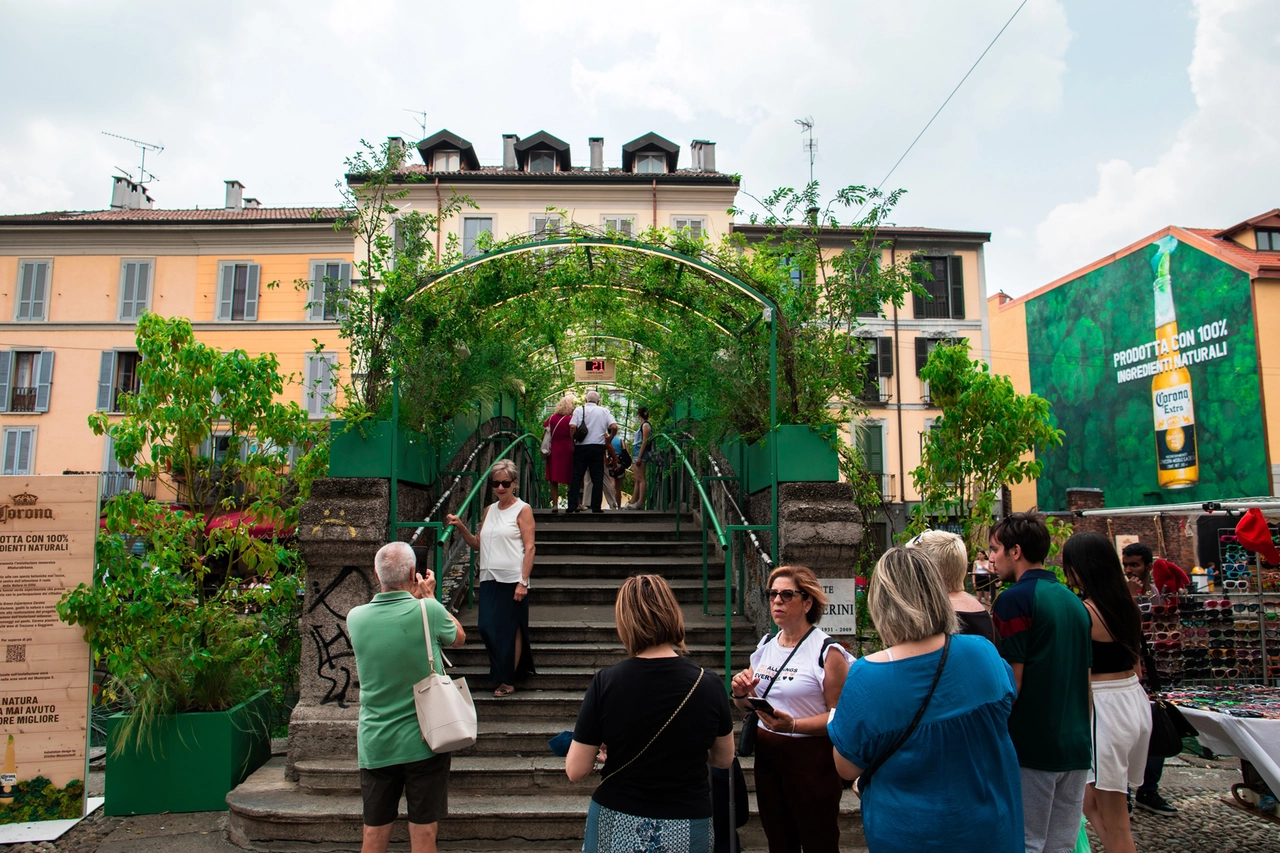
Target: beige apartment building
(73,284)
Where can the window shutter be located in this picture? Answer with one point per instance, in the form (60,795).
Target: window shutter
(627,225)
(873,448)
(106,372)
(884,352)
(38,291)
(309,388)
(922,354)
(11,451)
(44,379)
(23,465)
(24,292)
(127,288)
(142,295)
(251,294)
(316,309)
(344,298)
(226,291)
(325,382)
(957,287)
(6,366)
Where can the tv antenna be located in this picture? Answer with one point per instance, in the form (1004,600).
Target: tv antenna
(422,122)
(809,145)
(143,174)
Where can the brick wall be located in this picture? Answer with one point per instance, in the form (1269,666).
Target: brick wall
(1166,534)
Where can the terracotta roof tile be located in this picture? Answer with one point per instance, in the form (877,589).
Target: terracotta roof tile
(259,215)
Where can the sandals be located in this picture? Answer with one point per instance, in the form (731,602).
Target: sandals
(504,690)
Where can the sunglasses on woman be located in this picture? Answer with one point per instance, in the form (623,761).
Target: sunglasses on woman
(501,484)
(787,595)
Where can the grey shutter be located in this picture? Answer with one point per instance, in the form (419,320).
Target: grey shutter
(44,379)
(324,391)
(957,287)
(127,288)
(38,292)
(23,465)
(251,294)
(24,292)
(11,450)
(344,291)
(106,373)
(6,366)
(884,353)
(142,293)
(226,291)
(313,362)
(695,226)
(316,311)
(922,354)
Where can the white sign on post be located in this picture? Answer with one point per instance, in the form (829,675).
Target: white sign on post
(841,616)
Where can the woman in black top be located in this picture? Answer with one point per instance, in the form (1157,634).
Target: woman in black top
(664,719)
(948,553)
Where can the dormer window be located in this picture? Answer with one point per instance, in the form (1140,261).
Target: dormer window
(1268,240)
(446,161)
(542,161)
(651,164)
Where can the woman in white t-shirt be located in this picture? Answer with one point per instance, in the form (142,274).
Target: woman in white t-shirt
(797,787)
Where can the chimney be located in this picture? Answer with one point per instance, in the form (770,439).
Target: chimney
(251,204)
(126,195)
(235,195)
(597,153)
(704,155)
(395,150)
(509,162)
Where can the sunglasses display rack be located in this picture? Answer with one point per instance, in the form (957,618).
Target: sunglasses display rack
(1233,700)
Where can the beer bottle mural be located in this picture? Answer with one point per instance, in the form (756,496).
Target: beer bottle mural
(1177,460)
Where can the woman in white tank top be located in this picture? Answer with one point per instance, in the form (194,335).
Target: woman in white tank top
(505,543)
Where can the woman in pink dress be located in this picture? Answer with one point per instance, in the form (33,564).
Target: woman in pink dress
(560,462)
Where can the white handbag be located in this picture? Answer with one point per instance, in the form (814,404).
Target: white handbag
(446,714)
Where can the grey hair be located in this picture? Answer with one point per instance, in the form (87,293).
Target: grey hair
(948,553)
(508,467)
(907,598)
(394,564)
(593,396)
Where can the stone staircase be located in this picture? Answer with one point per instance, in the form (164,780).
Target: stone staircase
(508,790)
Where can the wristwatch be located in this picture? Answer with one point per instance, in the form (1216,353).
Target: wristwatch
(524,583)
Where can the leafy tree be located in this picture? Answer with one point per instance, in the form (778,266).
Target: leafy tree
(172,622)
(982,441)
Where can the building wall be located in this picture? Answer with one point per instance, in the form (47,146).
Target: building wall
(1266,306)
(1009,358)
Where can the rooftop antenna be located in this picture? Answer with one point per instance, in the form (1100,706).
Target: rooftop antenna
(809,145)
(143,174)
(422,122)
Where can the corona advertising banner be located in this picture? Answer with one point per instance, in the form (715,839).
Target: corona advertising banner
(1151,368)
(48,526)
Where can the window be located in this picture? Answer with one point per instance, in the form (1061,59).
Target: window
(238,291)
(546,226)
(117,374)
(879,364)
(33,286)
(624,225)
(651,164)
(472,228)
(945,300)
(542,161)
(445,161)
(318,387)
(26,377)
(135,289)
(1268,240)
(871,445)
(19,450)
(791,266)
(692,224)
(330,281)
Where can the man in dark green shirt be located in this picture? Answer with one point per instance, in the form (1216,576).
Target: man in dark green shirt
(390,644)
(1044,635)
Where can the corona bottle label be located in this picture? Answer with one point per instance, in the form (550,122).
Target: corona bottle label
(1172,401)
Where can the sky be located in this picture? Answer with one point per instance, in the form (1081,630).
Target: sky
(1089,125)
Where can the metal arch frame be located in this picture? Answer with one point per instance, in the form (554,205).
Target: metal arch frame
(769,312)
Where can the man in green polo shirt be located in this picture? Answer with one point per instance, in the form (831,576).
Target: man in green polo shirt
(1044,635)
(389,641)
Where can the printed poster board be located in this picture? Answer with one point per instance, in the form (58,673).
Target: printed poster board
(841,616)
(48,526)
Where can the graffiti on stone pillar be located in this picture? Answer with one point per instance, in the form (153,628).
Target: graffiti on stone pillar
(332,651)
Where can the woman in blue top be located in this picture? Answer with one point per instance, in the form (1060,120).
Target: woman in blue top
(953,784)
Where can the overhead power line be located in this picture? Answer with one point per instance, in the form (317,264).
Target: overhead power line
(952,95)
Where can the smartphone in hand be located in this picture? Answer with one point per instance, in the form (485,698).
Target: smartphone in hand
(760,705)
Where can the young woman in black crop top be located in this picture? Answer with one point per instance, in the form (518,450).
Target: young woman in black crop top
(1122,713)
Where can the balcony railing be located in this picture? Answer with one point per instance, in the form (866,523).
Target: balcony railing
(23,400)
(131,388)
(112,483)
(874,394)
(886,483)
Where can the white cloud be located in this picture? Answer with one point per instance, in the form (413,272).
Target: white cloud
(1221,167)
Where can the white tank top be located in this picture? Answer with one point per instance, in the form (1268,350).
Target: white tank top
(501,546)
(799,688)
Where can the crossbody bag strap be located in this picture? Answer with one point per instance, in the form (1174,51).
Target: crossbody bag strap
(426,633)
(776,675)
(679,708)
(865,779)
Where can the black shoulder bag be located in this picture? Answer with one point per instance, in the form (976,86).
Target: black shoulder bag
(747,741)
(580,432)
(865,779)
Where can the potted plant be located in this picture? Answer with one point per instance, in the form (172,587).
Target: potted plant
(198,657)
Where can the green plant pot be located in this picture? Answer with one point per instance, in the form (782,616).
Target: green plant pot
(193,762)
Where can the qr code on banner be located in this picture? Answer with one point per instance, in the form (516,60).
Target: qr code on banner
(15,654)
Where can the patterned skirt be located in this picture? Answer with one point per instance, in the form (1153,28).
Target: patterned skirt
(615,832)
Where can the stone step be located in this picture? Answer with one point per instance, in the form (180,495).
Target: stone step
(592,656)
(570,591)
(560,706)
(626,517)
(628,546)
(652,531)
(621,565)
(269,813)
(593,623)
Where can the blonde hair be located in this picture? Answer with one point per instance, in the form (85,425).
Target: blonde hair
(907,598)
(566,405)
(948,553)
(648,614)
(807,582)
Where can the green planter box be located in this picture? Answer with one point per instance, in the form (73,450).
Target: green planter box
(194,760)
(804,456)
(366,452)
